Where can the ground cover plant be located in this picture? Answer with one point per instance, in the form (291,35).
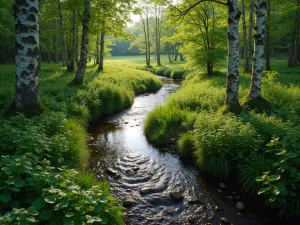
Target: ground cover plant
(44,159)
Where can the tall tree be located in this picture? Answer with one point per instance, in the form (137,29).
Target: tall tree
(245,47)
(26,14)
(294,46)
(158,16)
(268,48)
(232,81)
(258,62)
(249,56)
(102,42)
(84,44)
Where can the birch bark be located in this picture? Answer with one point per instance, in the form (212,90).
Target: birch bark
(84,44)
(259,48)
(26,14)
(232,82)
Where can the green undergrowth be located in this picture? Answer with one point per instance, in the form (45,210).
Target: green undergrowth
(226,144)
(43,176)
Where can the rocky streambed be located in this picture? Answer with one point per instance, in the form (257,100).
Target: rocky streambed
(155,186)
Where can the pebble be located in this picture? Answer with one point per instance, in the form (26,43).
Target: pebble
(135,168)
(145,190)
(176,195)
(191,220)
(230,197)
(219,209)
(126,122)
(238,197)
(240,214)
(220,191)
(128,202)
(195,200)
(240,206)
(224,220)
(222,185)
(111,172)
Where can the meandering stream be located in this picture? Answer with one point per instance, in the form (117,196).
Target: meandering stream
(144,176)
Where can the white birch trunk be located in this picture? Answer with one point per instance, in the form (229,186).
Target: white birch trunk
(245,47)
(249,53)
(232,84)
(84,44)
(259,50)
(26,15)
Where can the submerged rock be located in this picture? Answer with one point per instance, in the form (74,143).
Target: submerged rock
(176,195)
(128,202)
(222,185)
(195,200)
(145,190)
(224,220)
(219,209)
(240,206)
(135,168)
(110,171)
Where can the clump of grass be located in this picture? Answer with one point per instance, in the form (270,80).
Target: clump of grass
(162,124)
(179,74)
(186,146)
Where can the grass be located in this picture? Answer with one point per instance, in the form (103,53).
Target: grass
(59,134)
(223,144)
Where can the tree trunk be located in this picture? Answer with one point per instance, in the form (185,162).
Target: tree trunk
(71,66)
(249,56)
(258,57)
(293,45)
(181,57)
(76,47)
(97,50)
(268,51)
(296,52)
(49,55)
(62,35)
(26,14)
(84,44)
(102,41)
(148,38)
(157,34)
(245,48)
(232,81)
(175,52)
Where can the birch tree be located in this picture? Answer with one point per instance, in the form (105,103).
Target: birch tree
(245,47)
(26,14)
(84,44)
(258,62)
(268,23)
(248,59)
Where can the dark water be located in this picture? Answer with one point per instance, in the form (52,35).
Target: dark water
(118,143)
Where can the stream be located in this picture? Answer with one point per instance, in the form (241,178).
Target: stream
(157,187)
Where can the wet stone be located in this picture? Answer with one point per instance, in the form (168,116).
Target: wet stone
(176,195)
(135,168)
(240,214)
(111,172)
(230,197)
(126,122)
(219,209)
(195,200)
(240,206)
(128,203)
(191,220)
(220,191)
(224,220)
(222,185)
(145,190)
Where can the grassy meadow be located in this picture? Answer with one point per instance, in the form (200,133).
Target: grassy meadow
(260,148)
(43,175)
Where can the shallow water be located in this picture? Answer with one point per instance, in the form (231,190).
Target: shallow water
(118,144)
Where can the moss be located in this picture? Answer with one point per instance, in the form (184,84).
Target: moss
(29,110)
(258,104)
(232,108)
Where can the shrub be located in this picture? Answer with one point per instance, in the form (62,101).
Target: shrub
(49,195)
(178,74)
(281,184)
(186,146)
(220,140)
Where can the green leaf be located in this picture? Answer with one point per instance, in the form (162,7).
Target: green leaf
(260,178)
(63,204)
(32,211)
(5,197)
(276,191)
(19,182)
(69,214)
(98,209)
(38,203)
(262,190)
(273,177)
(104,220)
(93,219)
(50,199)
(291,155)
(32,219)
(46,214)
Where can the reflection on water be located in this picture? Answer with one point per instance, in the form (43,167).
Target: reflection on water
(141,173)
